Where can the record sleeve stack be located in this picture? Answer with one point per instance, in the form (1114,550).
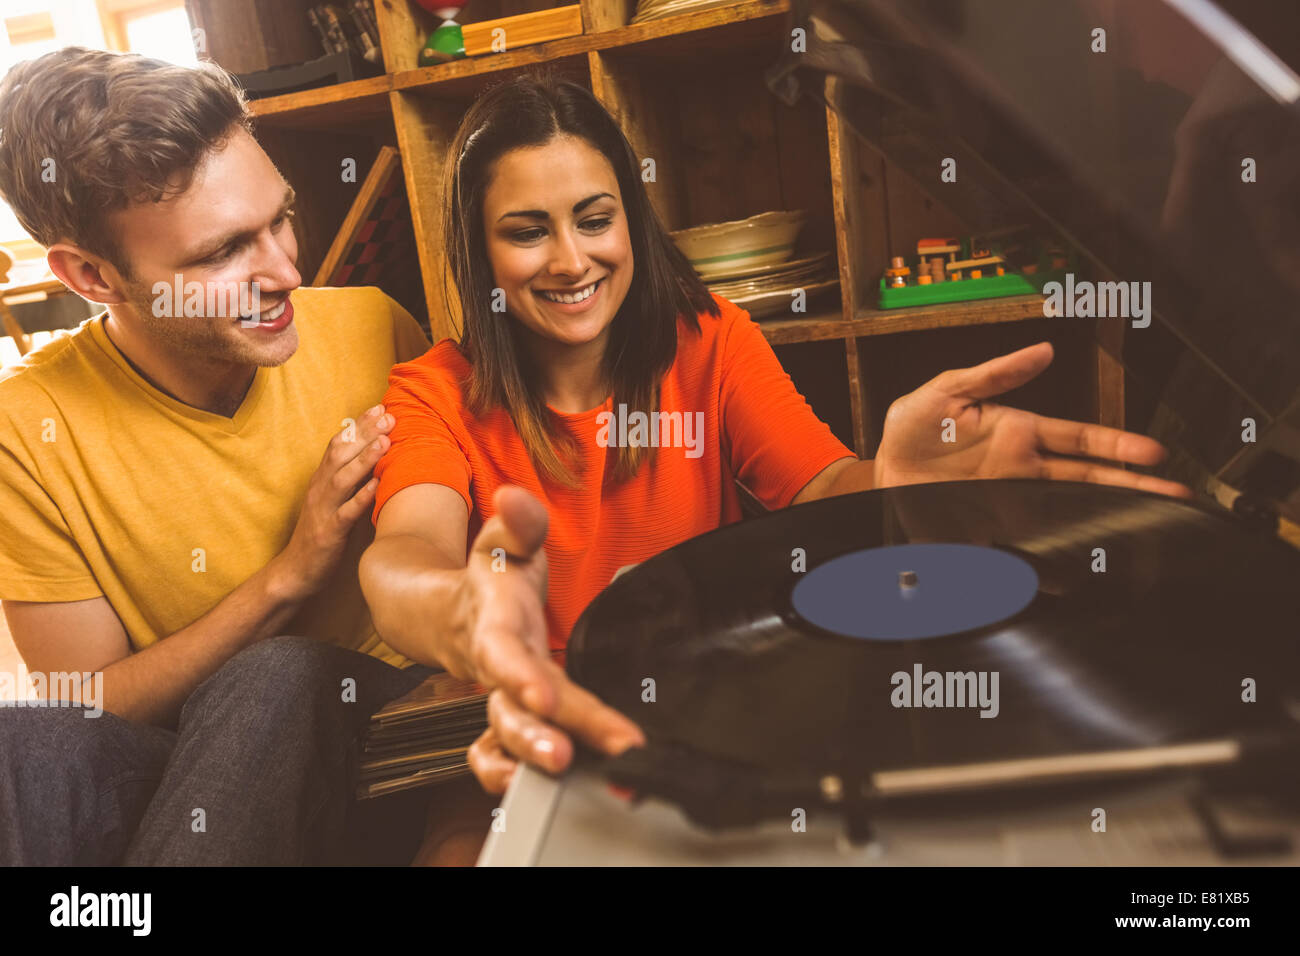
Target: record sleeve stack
(422,738)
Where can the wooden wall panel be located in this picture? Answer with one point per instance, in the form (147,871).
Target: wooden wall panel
(312,162)
(861,213)
(819,373)
(897,364)
(425,127)
(653,131)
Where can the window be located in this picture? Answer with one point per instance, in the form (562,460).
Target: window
(30,28)
(163,35)
(156,28)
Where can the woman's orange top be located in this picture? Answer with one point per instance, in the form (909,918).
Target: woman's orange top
(730,411)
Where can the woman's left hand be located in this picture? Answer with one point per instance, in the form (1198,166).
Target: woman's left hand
(947,430)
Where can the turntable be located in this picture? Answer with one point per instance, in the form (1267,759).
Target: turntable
(1015,668)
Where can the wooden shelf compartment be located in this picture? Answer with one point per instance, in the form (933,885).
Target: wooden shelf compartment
(340,105)
(463,79)
(724,147)
(869,322)
(889,367)
(312,161)
(601,16)
(245,36)
(880,212)
(753,28)
(750,26)
(405,27)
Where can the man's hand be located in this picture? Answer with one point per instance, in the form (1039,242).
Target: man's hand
(994,441)
(333,504)
(504,647)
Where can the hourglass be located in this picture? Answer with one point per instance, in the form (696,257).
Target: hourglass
(446,42)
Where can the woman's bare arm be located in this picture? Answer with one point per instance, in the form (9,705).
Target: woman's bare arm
(838,478)
(410,573)
(482,617)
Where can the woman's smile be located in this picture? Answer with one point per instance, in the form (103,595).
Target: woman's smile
(573,300)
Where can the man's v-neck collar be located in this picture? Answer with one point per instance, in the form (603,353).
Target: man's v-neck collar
(233,424)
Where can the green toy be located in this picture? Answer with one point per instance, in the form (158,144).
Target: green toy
(963,290)
(913,293)
(447,42)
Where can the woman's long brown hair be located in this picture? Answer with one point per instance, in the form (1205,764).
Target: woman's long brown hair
(527,111)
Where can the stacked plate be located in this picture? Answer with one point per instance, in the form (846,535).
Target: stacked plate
(725,250)
(769,290)
(750,261)
(657,9)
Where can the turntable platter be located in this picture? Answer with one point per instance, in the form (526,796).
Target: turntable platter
(819,640)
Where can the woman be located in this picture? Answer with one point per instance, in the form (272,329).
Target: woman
(518,482)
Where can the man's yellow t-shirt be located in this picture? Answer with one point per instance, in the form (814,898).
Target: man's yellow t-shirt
(110,487)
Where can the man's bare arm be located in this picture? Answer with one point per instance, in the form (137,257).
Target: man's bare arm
(151,686)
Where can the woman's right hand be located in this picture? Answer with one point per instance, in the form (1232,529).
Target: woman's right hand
(501,642)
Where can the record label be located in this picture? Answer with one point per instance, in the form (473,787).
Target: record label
(913,591)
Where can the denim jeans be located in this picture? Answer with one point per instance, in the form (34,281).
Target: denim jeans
(261,768)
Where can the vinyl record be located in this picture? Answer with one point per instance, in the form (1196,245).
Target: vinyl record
(802,644)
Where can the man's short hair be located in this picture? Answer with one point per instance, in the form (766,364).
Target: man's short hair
(83,133)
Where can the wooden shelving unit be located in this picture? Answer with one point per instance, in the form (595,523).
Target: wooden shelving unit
(689,92)
(329,106)
(867,322)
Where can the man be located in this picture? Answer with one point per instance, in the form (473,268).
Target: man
(167,521)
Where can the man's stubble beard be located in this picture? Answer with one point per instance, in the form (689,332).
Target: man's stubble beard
(198,337)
